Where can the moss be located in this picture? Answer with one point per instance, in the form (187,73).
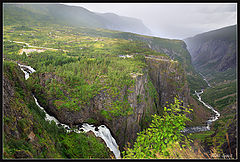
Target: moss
(91,121)
(105,114)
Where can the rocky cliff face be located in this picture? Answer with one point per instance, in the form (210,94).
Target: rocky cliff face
(26,132)
(214,52)
(168,78)
(123,127)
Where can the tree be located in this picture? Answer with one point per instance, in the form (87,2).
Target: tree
(163,133)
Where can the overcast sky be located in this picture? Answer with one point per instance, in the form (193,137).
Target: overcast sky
(172,20)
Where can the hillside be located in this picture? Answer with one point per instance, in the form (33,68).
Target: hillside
(214,54)
(71,15)
(39,14)
(28,135)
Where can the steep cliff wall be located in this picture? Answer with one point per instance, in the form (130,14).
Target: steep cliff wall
(214,53)
(141,100)
(169,79)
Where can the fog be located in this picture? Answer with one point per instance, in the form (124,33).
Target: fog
(172,20)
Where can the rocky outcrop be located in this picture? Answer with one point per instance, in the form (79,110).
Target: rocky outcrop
(124,128)
(168,78)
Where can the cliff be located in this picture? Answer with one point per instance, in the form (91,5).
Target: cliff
(124,127)
(214,53)
(169,79)
(28,135)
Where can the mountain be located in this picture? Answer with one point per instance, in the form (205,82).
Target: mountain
(123,23)
(45,14)
(75,16)
(214,53)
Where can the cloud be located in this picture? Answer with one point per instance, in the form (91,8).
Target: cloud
(173,20)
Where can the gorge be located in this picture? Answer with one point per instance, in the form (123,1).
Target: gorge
(98,93)
(103,132)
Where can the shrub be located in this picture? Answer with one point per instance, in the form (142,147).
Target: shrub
(163,132)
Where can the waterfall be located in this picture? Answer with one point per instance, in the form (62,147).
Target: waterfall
(102,131)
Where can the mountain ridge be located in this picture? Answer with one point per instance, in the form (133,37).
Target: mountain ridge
(214,52)
(80,16)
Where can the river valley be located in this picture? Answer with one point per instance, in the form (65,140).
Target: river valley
(209,121)
(103,132)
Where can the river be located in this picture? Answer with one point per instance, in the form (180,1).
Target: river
(209,121)
(102,131)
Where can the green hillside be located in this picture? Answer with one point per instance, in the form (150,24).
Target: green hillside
(71,15)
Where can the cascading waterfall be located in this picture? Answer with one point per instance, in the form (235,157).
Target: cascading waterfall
(209,121)
(102,131)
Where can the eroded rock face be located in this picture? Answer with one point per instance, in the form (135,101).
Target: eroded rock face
(124,128)
(168,79)
(214,51)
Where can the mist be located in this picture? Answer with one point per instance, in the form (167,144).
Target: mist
(172,20)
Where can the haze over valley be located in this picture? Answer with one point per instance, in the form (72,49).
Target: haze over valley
(119,81)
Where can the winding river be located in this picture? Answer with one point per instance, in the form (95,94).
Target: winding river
(209,121)
(102,131)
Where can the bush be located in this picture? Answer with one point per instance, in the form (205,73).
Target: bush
(162,133)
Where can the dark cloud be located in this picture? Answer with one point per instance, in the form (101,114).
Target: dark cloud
(173,20)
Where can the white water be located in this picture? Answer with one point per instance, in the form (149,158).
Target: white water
(31,70)
(209,121)
(103,132)
(205,80)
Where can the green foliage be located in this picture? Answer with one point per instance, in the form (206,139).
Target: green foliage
(51,141)
(201,136)
(161,134)
(86,74)
(221,96)
(24,28)
(219,77)
(152,90)
(196,83)
(81,146)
